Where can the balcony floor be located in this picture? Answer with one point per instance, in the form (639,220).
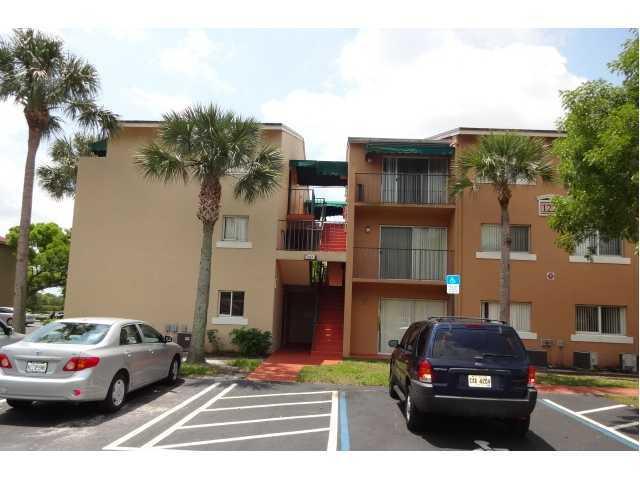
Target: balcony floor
(399,281)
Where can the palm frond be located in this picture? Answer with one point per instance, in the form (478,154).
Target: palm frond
(157,162)
(262,176)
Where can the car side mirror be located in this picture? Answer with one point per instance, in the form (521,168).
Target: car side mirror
(168,339)
(393,343)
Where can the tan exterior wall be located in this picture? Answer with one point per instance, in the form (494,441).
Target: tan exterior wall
(7,275)
(553,301)
(135,248)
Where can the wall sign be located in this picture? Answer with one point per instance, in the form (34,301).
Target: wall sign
(545,206)
(551,275)
(453,284)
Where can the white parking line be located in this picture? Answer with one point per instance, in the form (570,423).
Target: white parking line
(332,442)
(243,407)
(277,395)
(115,445)
(625,425)
(602,409)
(248,437)
(271,419)
(188,417)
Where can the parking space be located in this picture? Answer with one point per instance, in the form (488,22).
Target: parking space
(241,415)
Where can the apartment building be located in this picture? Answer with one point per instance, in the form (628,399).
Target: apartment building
(407,234)
(345,255)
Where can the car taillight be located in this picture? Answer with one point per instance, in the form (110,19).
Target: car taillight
(531,376)
(425,371)
(75,364)
(4,361)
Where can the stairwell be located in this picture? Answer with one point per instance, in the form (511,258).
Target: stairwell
(327,335)
(334,237)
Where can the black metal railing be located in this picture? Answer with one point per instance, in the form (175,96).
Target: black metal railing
(403,188)
(304,235)
(402,264)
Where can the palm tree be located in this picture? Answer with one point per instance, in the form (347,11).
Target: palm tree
(50,84)
(205,144)
(503,160)
(59,179)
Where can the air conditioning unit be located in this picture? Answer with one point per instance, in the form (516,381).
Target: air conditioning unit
(629,362)
(546,342)
(184,340)
(585,360)
(538,358)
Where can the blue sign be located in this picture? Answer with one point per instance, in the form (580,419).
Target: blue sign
(453,279)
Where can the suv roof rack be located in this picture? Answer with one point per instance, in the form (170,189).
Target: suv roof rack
(454,318)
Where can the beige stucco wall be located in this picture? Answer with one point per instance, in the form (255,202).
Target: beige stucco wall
(7,274)
(136,244)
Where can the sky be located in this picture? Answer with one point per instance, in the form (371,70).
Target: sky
(325,84)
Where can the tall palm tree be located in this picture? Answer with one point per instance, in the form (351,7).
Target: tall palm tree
(503,160)
(205,144)
(59,178)
(50,84)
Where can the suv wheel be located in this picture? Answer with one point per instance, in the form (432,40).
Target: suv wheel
(412,416)
(519,427)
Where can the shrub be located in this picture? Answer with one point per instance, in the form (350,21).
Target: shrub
(251,341)
(212,336)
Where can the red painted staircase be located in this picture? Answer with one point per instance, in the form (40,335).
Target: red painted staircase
(334,238)
(327,335)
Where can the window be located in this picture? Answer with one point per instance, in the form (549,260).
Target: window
(231,304)
(519,181)
(397,315)
(149,334)
(491,237)
(519,314)
(467,343)
(602,320)
(70,333)
(418,253)
(129,335)
(595,244)
(235,229)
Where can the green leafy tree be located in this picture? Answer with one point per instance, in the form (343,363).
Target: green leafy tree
(599,157)
(205,144)
(50,84)
(48,257)
(501,160)
(59,178)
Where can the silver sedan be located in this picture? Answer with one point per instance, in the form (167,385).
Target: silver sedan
(86,359)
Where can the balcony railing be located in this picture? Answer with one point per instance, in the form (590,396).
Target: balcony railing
(401,264)
(311,235)
(403,188)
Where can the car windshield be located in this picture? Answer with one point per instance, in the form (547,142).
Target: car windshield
(70,332)
(470,343)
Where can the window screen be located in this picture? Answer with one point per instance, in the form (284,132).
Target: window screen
(491,238)
(235,229)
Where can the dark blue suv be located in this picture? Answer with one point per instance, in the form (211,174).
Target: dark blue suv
(462,366)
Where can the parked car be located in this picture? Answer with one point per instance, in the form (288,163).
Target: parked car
(7,335)
(6,314)
(465,367)
(86,359)
(56,315)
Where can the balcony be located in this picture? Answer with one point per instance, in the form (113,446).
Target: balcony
(395,265)
(304,203)
(407,189)
(322,240)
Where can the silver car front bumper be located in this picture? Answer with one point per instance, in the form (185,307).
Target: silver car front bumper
(77,388)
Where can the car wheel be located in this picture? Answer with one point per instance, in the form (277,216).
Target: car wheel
(392,391)
(519,427)
(412,415)
(174,370)
(116,394)
(19,403)
(10,321)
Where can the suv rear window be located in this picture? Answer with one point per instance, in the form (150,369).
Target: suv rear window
(70,332)
(467,343)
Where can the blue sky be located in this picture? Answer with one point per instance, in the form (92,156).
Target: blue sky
(326,84)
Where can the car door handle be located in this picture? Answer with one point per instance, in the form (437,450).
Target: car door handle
(128,353)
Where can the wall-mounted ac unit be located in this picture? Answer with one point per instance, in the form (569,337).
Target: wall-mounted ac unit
(585,360)
(546,342)
(629,362)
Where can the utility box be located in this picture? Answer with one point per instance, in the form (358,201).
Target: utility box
(538,358)
(629,362)
(184,340)
(585,360)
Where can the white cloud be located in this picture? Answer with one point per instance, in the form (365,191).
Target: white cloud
(153,103)
(13,152)
(197,57)
(416,84)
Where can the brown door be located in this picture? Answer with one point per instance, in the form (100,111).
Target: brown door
(301,312)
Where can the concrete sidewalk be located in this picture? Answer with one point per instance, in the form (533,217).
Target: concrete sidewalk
(285,364)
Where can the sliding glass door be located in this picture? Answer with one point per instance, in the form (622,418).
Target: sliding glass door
(416,253)
(414,180)
(397,314)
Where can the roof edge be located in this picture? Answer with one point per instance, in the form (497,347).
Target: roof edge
(426,141)
(488,131)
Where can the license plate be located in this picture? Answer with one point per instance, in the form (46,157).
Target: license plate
(479,381)
(37,367)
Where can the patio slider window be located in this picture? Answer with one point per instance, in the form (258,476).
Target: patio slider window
(596,244)
(231,304)
(519,314)
(235,229)
(491,237)
(603,320)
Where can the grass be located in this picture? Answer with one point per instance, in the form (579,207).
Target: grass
(245,364)
(188,369)
(624,399)
(348,372)
(584,380)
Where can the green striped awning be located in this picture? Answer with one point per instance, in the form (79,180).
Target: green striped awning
(426,149)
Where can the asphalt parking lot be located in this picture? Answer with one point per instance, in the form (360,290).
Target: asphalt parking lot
(240,415)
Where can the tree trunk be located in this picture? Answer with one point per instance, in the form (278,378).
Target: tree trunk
(22,256)
(208,208)
(505,263)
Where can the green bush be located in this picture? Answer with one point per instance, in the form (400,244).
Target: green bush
(212,335)
(251,342)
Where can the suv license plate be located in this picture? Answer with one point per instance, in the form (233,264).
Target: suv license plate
(479,381)
(37,367)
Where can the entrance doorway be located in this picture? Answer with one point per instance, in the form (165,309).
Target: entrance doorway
(299,317)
